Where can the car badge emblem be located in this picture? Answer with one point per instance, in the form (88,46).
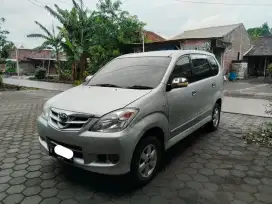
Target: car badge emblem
(63,117)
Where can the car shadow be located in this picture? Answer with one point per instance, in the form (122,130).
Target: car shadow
(120,185)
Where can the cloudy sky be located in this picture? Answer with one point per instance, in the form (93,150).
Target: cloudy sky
(165,17)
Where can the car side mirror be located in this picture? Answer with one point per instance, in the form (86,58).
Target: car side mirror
(88,78)
(179,82)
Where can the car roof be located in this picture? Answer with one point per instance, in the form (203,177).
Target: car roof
(166,53)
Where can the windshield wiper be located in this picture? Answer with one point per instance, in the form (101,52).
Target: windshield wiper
(106,85)
(139,87)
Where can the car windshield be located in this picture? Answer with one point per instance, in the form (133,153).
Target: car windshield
(132,72)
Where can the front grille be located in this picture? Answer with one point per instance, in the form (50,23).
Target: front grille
(76,149)
(66,120)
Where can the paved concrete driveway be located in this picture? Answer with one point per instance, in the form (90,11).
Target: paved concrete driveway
(249,89)
(205,168)
(37,84)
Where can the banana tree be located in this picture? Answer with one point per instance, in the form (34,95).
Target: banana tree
(77,28)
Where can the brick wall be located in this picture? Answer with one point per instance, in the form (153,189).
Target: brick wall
(236,37)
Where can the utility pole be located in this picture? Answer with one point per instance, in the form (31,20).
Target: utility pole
(241,40)
(17,62)
(143,38)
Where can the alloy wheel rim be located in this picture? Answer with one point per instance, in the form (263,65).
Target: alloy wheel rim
(215,117)
(148,161)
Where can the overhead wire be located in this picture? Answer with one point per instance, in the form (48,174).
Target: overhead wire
(35,3)
(223,4)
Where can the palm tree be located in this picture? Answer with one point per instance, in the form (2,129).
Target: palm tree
(51,40)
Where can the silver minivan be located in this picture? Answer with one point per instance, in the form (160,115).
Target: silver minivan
(138,105)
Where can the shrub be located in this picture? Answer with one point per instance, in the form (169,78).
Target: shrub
(77,82)
(10,70)
(40,73)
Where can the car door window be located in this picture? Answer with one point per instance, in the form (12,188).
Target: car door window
(214,65)
(182,69)
(200,67)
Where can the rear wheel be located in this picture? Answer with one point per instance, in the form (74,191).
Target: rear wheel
(214,123)
(146,160)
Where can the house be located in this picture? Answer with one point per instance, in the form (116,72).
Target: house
(29,60)
(228,43)
(259,56)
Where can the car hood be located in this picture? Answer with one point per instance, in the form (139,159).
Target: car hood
(95,100)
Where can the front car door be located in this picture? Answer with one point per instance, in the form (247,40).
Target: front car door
(181,101)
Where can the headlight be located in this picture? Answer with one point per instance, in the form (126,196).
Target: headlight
(115,121)
(46,110)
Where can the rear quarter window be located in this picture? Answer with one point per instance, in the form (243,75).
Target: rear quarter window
(214,65)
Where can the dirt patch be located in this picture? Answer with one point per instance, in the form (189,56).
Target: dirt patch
(262,137)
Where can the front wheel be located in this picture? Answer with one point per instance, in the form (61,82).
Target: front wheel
(146,160)
(214,123)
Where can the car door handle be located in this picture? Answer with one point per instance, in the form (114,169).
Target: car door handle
(213,85)
(193,93)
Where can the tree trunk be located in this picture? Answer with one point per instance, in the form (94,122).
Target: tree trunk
(82,64)
(57,65)
(73,71)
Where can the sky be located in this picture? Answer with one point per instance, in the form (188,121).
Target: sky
(164,17)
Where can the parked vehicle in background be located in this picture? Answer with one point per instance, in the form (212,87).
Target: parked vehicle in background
(132,110)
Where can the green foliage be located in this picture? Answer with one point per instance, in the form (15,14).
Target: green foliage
(10,68)
(40,73)
(77,82)
(8,64)
(101,55)
(96,35)
(263,30)
(5,45)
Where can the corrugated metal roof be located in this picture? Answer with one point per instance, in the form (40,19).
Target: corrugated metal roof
(261,47)
(211,32)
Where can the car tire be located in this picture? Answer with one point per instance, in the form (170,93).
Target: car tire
(146,160)
(216,114)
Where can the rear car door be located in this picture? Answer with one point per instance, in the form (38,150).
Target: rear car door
(215,80)
(202,79)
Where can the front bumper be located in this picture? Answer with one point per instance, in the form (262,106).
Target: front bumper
(89,144)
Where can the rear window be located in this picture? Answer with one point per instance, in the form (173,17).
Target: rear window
(134,71)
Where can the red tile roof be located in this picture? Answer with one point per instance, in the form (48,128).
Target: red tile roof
(24,54)
(153,37)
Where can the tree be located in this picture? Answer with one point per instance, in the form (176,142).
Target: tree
(51,40)
(5,45)
(113,27)
(96,35)
(263,30)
